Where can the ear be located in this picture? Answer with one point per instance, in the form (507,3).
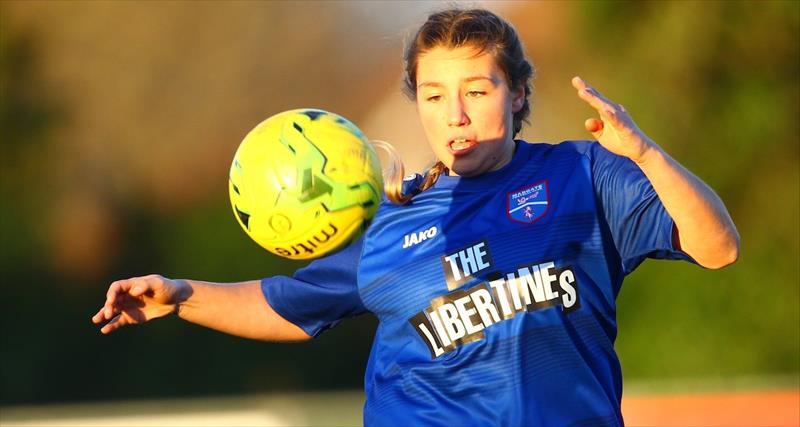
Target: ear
(517,98)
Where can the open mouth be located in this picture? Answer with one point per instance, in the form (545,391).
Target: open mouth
(461,146)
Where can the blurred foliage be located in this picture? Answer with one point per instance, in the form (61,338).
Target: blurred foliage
(118,122)
(717,85)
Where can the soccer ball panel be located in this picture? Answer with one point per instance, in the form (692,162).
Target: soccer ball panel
(304,182)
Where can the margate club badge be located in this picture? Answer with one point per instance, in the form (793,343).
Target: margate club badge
(528,204)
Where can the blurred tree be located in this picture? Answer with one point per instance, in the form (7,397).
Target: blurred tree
(716,83)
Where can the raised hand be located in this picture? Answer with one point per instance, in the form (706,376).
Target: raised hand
(615,129)
(139,299)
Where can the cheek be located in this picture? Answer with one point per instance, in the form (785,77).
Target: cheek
(428,117)
(496,119)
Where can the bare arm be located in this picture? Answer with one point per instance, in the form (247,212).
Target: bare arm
(704,228)
(235,308)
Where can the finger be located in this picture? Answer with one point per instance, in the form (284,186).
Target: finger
(115,323)
(581,84)
(578,83)
(110,311)
(594,126)
(99,317)
(595,101)
(600,96)
(593,97)
(113,290)
(115,293)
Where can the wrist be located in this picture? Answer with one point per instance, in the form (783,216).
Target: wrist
(183,290)
(648,153)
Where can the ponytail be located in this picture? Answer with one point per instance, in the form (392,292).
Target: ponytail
(395,171)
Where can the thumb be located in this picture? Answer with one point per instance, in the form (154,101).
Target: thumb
(594,126)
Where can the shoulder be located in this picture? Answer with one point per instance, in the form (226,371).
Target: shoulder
(565,148)
(412,182)
(579,147)
(565,155)
(594,152)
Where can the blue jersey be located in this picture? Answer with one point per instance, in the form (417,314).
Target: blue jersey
(495,294)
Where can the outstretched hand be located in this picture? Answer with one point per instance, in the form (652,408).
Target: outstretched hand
(138,300)
(615,129)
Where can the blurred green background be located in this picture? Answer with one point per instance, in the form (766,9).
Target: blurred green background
(118,121)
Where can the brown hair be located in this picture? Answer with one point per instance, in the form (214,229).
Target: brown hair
(453,28)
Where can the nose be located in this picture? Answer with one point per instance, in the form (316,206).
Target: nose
(456,114)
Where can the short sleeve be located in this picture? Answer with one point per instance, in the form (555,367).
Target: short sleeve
(320,295)
(639,224)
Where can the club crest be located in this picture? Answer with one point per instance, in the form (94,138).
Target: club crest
(528,204)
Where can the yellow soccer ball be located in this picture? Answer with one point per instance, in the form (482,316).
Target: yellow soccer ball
(304,183)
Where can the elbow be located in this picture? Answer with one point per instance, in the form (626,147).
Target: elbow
(727,254)
(286,332)
(722,261)
(300,336)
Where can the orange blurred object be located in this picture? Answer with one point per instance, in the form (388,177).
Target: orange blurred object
(772,408)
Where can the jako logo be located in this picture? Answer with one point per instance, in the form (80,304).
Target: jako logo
(414,238)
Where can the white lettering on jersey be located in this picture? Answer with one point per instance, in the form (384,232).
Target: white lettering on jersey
(463,264)
(461,316)
(417,238)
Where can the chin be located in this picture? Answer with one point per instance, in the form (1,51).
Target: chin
(466,170)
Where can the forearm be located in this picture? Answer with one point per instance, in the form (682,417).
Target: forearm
(705,229)
(237,309)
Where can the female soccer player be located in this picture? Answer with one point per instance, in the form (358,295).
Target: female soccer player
(494,275)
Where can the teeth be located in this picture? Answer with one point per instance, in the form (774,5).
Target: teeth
(459,144)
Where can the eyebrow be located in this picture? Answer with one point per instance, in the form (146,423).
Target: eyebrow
(466,80)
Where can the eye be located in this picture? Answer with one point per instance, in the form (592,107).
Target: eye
(433,98)
(475,93)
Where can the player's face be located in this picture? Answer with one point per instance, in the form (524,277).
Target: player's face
(466,109)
